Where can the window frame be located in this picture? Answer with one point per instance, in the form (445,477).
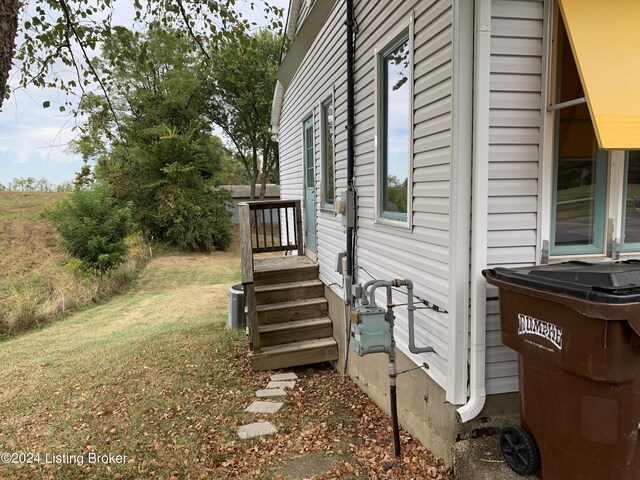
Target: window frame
(404,32)
(324,204)
(308,118)
(614,176)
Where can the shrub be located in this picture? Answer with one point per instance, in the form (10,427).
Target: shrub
(93,228)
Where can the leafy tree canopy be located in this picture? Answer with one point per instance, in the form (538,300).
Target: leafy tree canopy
(165,159)
(70,31)
(239,98)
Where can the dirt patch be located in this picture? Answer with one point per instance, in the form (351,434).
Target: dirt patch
(314,464)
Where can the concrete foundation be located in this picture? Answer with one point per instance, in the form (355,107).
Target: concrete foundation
(422,408)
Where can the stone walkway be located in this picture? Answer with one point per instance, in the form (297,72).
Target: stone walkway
(275,389)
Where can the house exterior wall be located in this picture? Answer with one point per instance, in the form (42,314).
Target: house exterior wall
(316,80)
(421,254)
(430,252)
(516,113)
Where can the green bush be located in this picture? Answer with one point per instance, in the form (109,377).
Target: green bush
(93,228)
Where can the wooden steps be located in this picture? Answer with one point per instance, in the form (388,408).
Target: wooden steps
(295,310)
(296,331)
(293,323)
(294,354)
(287,292)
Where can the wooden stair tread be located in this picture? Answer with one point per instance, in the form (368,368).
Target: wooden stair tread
(284,326)
(270,264)
(291,305)
(288,286)
(296,346)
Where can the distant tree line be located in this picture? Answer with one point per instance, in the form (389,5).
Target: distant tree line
(31,184)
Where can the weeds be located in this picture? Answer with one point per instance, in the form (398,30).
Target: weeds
(38,281)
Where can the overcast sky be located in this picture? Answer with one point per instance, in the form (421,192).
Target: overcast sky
(34,141)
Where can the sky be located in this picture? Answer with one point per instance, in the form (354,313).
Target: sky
(34,141)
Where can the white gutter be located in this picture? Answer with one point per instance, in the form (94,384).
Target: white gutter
(276,110)
(479,208)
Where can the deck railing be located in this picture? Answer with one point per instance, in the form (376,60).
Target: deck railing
(265,226)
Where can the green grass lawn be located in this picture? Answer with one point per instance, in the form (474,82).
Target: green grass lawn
(136,376)
(154,376)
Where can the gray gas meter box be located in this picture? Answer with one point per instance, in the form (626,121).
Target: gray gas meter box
(370,332)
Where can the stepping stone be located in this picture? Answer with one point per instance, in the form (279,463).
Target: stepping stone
(283,384)
(256,430)
(279,377)
(271,392)
(264,407)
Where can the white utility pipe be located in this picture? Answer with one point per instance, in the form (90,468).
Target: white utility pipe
(479,207)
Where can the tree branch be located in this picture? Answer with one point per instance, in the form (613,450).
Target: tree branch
(185,17)
(67,15)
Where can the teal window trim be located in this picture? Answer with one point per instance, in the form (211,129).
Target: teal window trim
(399,217)
(633,246)
(600,202)
(327,196)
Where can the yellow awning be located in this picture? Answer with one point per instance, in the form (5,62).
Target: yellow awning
(606,45)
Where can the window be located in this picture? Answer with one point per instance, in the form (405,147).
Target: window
(580,167)
(595,196)
(328,171)
(395,122)
(631,203)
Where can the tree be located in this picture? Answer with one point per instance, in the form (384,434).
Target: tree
(166,160)
(68,30)
(93,228)
(243,77)
(84,177)
(9,10)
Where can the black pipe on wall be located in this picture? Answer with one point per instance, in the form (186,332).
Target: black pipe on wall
(350,23)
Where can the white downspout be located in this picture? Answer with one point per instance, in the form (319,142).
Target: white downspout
(479,208)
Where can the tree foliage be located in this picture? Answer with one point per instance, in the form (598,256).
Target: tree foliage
(166,161)
(242,74)
(93,228)
(70,31)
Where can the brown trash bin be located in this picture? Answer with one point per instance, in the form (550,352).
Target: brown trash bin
(576,328)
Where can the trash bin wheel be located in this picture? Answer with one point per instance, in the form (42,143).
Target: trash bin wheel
(520,450)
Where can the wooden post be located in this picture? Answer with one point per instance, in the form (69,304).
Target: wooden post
(252,317)
(299,240)
(246,249)
(246,268)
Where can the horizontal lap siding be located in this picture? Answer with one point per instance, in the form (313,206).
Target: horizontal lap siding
(515,124)
(422,254)
(314,81)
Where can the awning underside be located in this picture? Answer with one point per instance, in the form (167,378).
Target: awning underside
(606,46)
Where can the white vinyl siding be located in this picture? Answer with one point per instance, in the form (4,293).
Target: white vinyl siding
(311,84)
(422,253)
(515,137)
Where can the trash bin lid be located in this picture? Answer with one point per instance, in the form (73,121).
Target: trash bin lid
(605,282)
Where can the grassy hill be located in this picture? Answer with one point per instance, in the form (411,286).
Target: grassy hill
(38,281)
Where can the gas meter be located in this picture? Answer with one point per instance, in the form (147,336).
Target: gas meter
(370,332)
